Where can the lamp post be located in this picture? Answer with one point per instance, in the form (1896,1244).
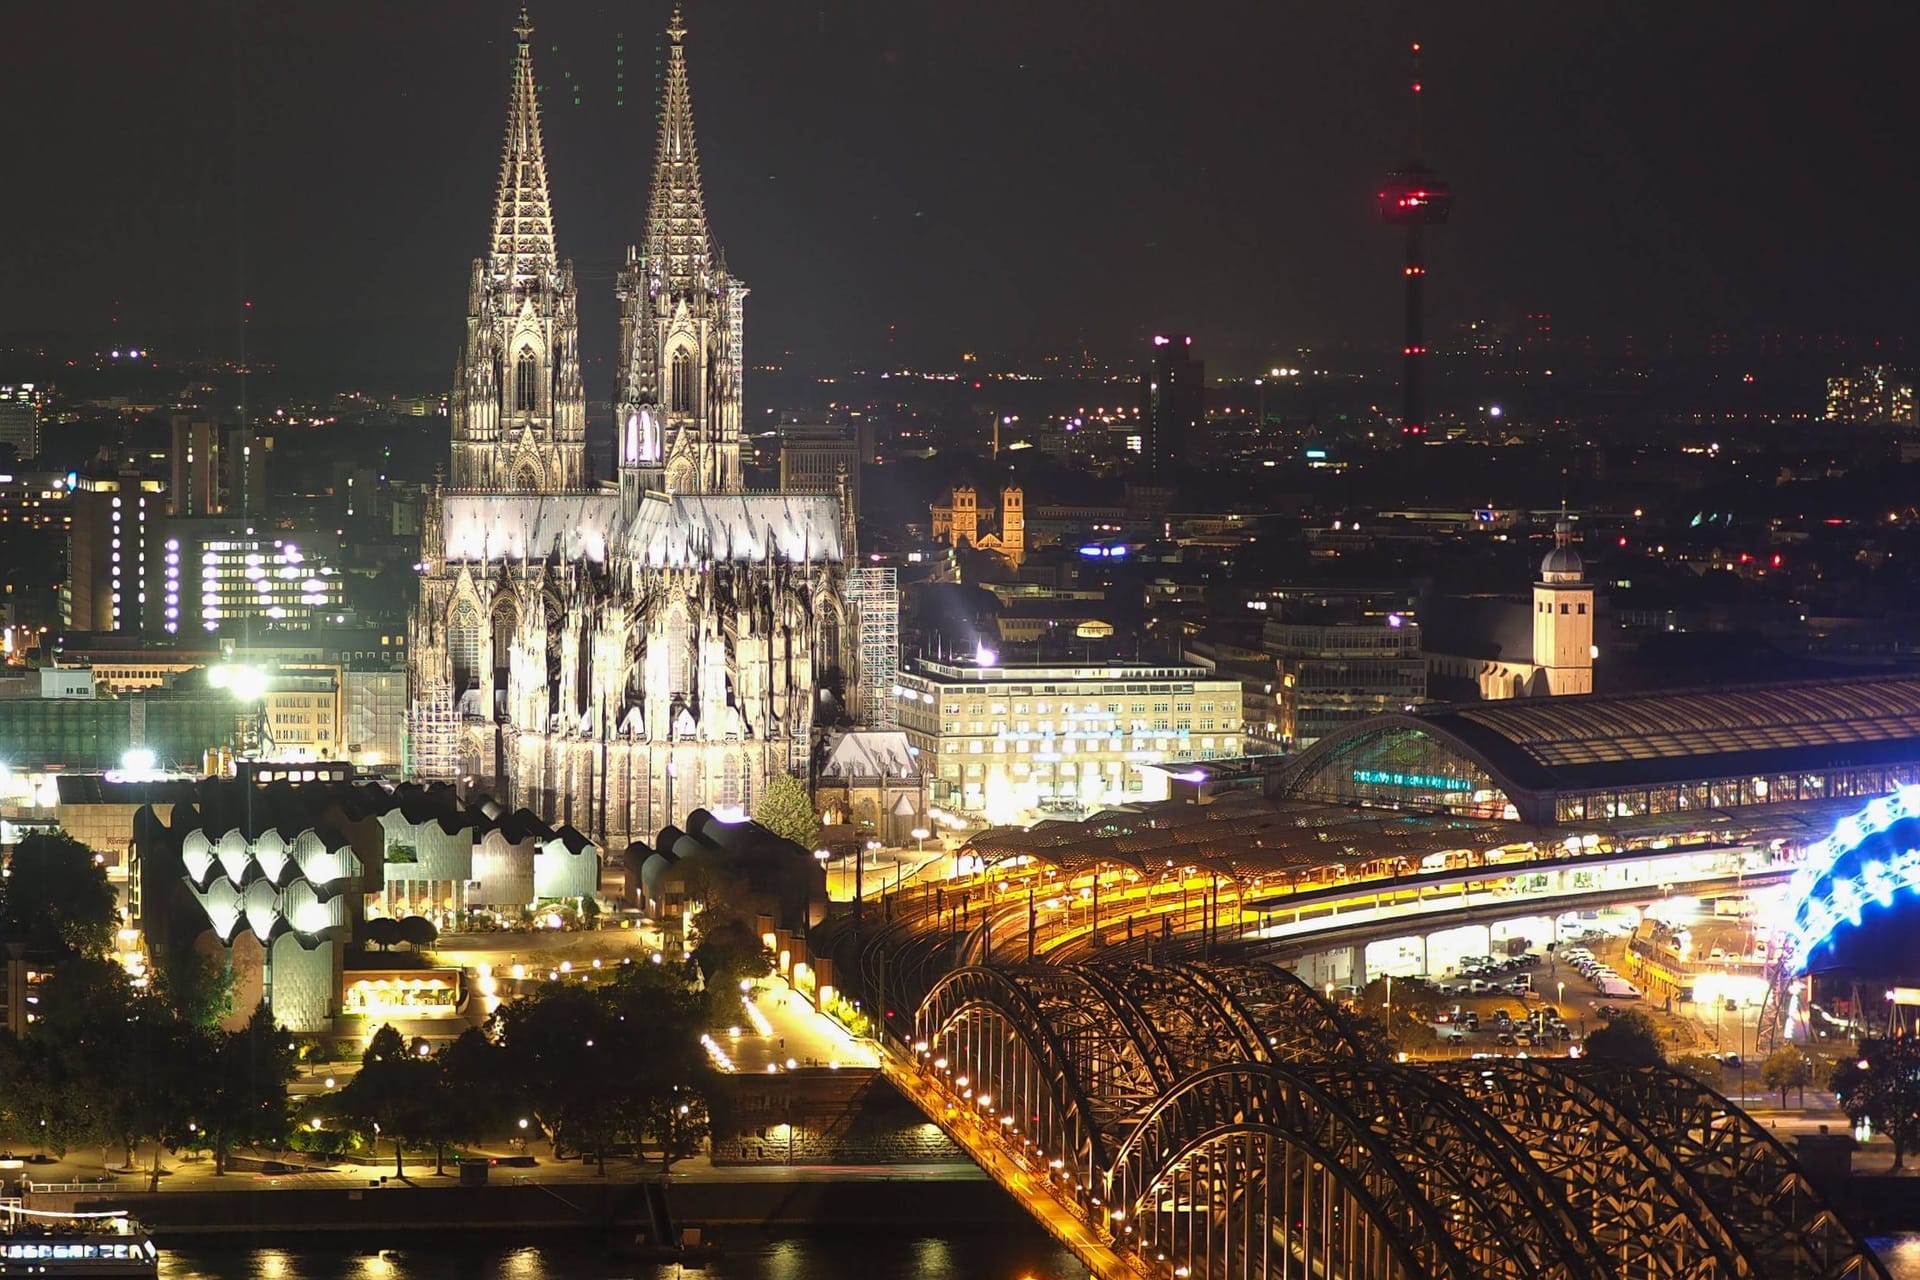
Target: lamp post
(920,835)
(826,893)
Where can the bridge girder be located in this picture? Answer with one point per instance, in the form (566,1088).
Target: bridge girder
(1219,1108)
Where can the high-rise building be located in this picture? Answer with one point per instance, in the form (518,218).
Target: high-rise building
(217,470)
(814,457)
(1335,670)
(115,519)
(218,574)
(1875,393)
(20,420)
(1173,405)
(195,490)
(616,657)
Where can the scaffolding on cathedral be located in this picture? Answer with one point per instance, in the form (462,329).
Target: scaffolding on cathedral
(433,735)
(875,597)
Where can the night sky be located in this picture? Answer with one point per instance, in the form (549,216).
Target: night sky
(1008,176)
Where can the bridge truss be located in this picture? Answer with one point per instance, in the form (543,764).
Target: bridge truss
(1225,1121)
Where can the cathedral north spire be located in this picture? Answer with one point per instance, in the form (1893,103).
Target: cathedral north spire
(522,246)
(677,241)
(519,410)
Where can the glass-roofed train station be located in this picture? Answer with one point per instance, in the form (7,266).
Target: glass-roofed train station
(1759,772)
(1610,759)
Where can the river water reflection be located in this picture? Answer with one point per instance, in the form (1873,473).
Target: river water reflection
(1002,1253)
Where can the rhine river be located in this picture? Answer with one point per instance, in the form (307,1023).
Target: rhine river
(1014,1253)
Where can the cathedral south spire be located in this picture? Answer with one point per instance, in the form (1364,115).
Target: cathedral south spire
(677,401)
(519,410)
(677,237)
(522,246)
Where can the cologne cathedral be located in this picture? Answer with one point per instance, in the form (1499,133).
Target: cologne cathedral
(614,653)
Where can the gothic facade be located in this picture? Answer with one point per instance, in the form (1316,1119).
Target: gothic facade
(613,654)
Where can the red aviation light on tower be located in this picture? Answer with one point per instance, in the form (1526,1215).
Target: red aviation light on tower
(1414,196)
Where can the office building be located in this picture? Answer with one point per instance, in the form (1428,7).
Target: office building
(221,575)
(1173,407)
(1005,741)
(217,470)
(111,546)
(1335,671)
(815,457)
(20,420)
(1872,394)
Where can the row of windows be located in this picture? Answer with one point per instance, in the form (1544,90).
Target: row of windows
(1548,608)
(1066,708)
(1045,728)
(1728,793)
(1064,746)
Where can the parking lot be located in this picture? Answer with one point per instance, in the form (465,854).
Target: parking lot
(1540,1004)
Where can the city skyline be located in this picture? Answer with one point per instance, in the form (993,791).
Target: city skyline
(1019,172)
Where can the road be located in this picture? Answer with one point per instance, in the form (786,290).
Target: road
(1031,1183)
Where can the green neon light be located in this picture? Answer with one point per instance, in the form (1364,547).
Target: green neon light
(1417,781)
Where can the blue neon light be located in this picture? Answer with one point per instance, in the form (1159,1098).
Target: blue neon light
(1417,781)
(1819,901)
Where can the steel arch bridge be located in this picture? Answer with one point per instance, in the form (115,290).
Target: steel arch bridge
(1223,1120)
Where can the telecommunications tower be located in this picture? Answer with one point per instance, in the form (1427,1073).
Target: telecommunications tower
(1413,196)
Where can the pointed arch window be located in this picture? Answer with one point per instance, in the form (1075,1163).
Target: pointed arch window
(525,376)
(679,654)
(682,401)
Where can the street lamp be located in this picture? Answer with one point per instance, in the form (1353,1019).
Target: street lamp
(920,835)
(821,855)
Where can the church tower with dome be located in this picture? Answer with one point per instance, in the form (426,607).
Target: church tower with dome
(1563,650)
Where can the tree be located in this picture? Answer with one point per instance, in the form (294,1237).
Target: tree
(786,809)
(471,1097)
(566,1062)
(1630,1040)
(129,1070)
(55,897)
(1882,1087)
(248,1105)
(381,931)
(664,1096)
(418,932)
(198,987)
(1787,1068)
(677,1122)
(728,952)
(392,1096)
(1403,1007)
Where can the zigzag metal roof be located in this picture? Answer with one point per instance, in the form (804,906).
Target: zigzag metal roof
(1242,836)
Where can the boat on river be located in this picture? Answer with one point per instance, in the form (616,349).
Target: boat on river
(109,1245)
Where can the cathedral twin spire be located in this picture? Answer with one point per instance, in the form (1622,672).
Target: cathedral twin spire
(522,247)
(519,407)
(677,240)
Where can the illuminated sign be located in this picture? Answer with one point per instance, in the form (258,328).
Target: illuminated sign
(1417,781)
